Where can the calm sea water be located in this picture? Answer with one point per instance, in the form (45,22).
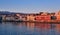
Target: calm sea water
(26,28)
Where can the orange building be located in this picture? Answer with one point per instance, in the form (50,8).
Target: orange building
(58,16)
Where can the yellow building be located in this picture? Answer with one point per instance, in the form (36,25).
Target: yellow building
(30,18)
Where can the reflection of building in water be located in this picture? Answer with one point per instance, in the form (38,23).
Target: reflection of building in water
(58,27)
(38,25)
(53,26)
(30,26)
(42,26)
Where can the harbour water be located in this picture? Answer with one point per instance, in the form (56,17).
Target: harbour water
(26,28)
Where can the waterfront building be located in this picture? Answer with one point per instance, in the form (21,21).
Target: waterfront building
(3,17)
(39,17)
(9,18)
(22,17)
(19,15)
(58,15)
(43,17)
(30,17)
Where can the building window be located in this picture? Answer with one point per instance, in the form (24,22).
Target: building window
(53,18)
(34,18)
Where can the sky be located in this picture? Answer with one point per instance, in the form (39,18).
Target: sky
(30,6)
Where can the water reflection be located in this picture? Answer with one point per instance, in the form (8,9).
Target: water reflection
(26,28)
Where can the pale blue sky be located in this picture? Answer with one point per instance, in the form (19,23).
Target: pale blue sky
(29,6)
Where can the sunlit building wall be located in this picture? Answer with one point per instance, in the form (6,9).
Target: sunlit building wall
(30,18)
(58,16)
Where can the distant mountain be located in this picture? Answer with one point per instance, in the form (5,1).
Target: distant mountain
(6,12)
